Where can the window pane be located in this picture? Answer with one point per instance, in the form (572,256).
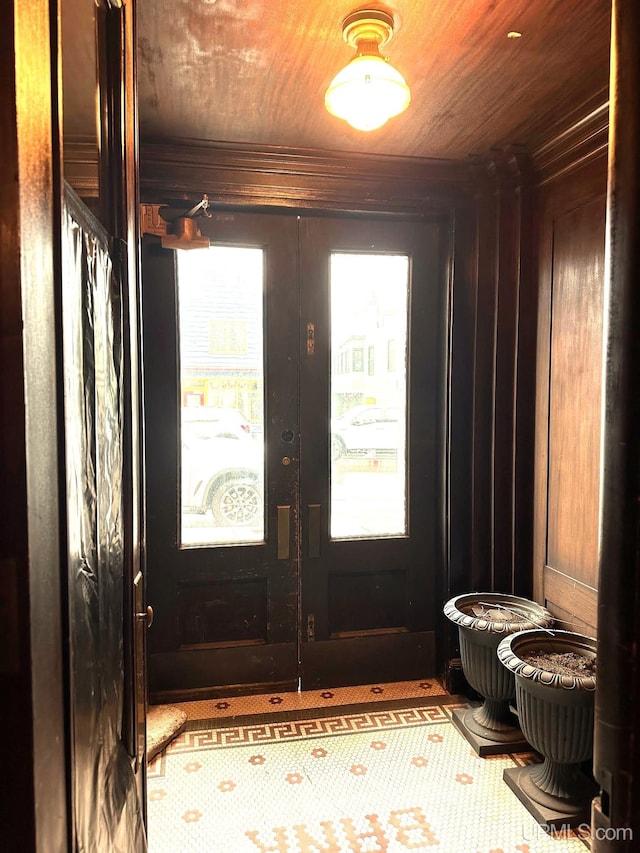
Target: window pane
(220,304)
(369,304)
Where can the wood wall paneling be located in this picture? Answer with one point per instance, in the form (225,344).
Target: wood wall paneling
(503,390)
(572,602)
(461,366)
(460,416)
(575,391)
(486,225)
(525,382)
(81,169)
(569,370)
(505,355)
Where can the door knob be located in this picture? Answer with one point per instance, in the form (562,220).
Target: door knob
(146,616)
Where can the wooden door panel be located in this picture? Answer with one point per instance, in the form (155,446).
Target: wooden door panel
(226,615)
(229,618)
(570,575)
(568,403)
(97,477)
(368,604)
(575,392)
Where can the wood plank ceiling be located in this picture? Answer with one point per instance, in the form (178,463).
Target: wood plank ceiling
(255,71)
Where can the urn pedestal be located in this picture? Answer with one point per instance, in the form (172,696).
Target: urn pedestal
(556,712)
(483,620)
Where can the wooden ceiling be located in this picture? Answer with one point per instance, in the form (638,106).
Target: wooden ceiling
(255,71)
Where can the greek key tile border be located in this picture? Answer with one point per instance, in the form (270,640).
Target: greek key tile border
(244,735)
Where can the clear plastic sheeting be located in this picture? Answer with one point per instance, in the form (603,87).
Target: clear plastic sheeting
(106,812)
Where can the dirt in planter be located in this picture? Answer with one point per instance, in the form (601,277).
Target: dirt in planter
(562,663)
(496,613)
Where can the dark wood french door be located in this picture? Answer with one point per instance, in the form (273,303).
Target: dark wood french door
(295,437)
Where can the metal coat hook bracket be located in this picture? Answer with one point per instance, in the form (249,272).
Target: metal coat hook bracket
(201,209)
(179,233)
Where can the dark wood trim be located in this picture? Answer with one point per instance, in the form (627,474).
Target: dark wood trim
(580,138)
(260,176)
(190,671)
(461,361)
(119,199)
(380,658)
(501,515)
(443,635)
(617,745)
(543,355)
(196,694)
(507,287)
(486,226)
(35,793)
(573,603)
(525,383)
(459,463)
(514,381)
(81,166)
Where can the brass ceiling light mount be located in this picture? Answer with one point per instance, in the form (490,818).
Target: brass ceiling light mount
(367,30)
(369,90)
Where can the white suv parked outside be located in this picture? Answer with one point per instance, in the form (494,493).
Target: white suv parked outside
(222,466)
(368,430)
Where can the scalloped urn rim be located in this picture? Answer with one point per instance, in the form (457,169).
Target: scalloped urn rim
(539,615)
(510,647)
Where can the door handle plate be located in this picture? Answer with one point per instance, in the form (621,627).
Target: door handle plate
(314,530)
(283,532)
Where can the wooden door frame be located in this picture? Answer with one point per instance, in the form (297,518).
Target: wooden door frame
(119,212)
(254,178)
(617,745)
(33,664)
(32,545)
(219,666)
(178,673)
(408,650)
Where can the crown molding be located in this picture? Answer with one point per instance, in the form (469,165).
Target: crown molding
(264,176)
(579,138)
(81,165)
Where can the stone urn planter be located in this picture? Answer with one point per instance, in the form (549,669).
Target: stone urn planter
(483,620)
(555,689)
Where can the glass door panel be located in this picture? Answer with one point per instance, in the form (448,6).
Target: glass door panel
(373,329)
(221,358)
(368,309)
(221,352)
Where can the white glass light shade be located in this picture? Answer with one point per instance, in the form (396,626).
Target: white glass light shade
(367,92)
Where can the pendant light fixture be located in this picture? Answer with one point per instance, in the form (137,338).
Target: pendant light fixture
(369,90)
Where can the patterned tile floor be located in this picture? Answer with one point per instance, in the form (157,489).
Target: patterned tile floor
(236,706)
(388,774)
